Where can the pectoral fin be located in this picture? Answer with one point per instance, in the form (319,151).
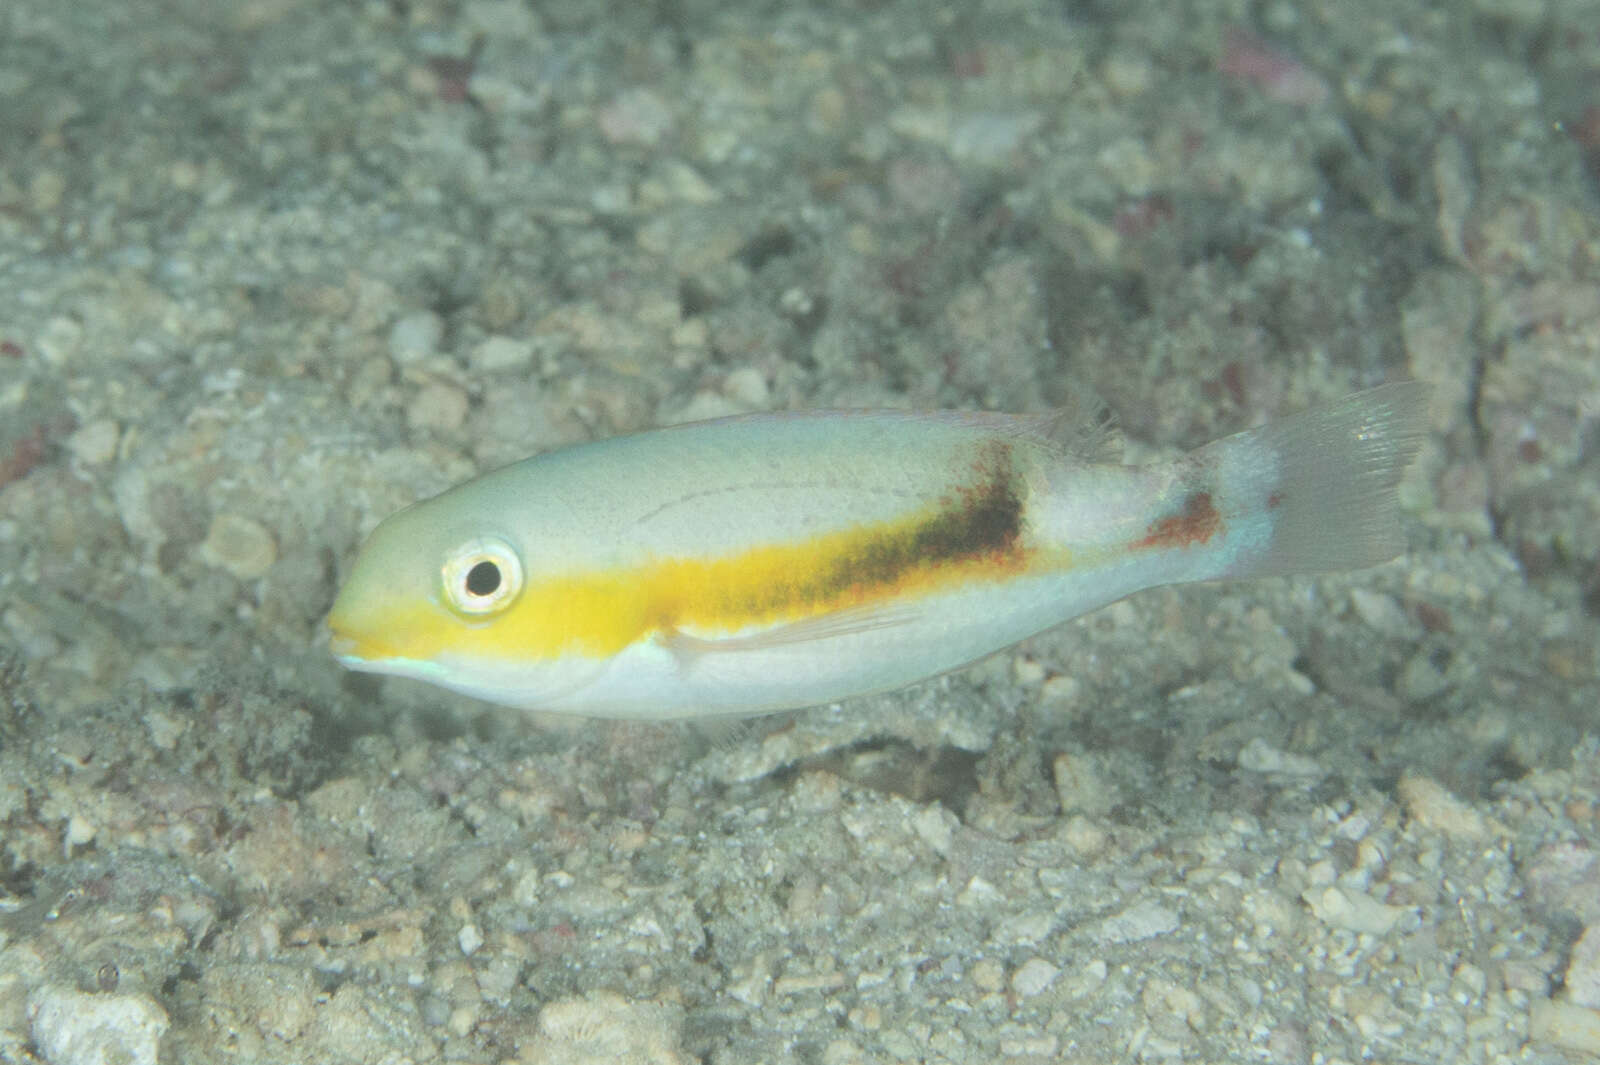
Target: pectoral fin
(849,621)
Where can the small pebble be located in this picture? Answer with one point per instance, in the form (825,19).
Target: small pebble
(1565,1025)
(1259,756)
(1080,787)
(747,386)
(988,975)
(184,175)
(1027,670)
(923,186)
(525,893)
(979,892)
(635,116)
(498,353)
(164,728)
(702,406)
(239,545)
(79,831)
(1353,911)
(1430,804)
(1468,980)
(841,1051)
(611,198)
(438,406)
(1142,920)
(415,337)
(1164,999)
(865,1018)
(462,1020)
(1086,976)
(1583,971)
(690,334)
(74,1028)
(828,109)
(46,190)
(936,826)
(1289,1043)
(602,1026)
(1420,679)
(59,340)
(96,443)
(992,138)
(818,792)
(31,633)
(1561,878)
(1033,976)
(1380,612)
(1127,73)
(282,998)
(1128,163)
(677,182)
(1060,690)
(1084,836)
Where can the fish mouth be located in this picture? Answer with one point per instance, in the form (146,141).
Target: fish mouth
(368,655)
(351,651)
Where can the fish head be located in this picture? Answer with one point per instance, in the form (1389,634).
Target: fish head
(439,595)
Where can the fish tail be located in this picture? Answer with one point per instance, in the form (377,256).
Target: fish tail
(1321,484)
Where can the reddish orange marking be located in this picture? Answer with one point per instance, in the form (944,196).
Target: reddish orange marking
(1197,524)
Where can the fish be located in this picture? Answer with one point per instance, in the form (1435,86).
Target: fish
(781,560)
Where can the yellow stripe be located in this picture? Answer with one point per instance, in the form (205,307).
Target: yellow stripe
(978,535)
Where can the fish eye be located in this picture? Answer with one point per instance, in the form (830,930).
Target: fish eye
(482,576)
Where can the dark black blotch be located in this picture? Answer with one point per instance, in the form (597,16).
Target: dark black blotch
(984,521)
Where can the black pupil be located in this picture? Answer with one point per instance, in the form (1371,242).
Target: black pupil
(483,578)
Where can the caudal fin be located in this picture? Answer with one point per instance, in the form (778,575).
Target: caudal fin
(1327,478)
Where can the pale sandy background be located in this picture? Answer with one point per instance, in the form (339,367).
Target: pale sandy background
(269,270)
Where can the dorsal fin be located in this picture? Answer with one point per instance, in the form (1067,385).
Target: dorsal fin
(1083,426)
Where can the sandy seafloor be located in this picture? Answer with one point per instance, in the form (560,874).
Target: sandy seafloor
(271,269)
